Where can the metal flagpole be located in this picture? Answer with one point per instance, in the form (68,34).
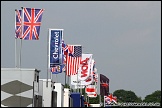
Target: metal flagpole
(48,38)
(100,98)
(15,42)
(68,79)
(21,36)
(63,57)
(56,77)
(65,77)
(104,101)
(77,83)
(81,90)
(20,52)
(15,53)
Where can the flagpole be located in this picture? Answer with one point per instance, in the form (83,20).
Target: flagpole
(21,37)
(65,77)
(56,77)
(100,98)
(77,83)
(47,57)
(104,101)
(20,52)
(15,53)
(68,79)
(100,88)
(15,42)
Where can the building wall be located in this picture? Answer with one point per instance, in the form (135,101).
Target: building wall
(46,91)
(60,94)
(66,97)
(17,87)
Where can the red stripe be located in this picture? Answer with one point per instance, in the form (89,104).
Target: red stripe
(90,90)
(72,63)
(89,79)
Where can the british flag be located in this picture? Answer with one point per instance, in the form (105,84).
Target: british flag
(110,98)
(65,50)
(31,23)
(18,24)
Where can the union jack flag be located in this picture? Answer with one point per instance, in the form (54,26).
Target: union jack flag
(65,50)
(110,98)
(18,24)
(73,59)
(31,23)
(107,100)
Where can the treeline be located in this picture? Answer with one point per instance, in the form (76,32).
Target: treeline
(126,96)
(130,96)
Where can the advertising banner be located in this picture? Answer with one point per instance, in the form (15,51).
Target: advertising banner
(55,47)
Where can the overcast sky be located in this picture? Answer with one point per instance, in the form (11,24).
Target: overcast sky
(124,38)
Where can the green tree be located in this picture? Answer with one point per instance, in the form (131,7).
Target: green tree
(126,96)
(66,86)
(94,100)
(153,97)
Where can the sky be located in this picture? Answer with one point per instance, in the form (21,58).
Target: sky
(123,36)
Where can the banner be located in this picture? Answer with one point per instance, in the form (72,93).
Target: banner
(90,89)
(89,80)
(85,65)
(55,47)
(104,85)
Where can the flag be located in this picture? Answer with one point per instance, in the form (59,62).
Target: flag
(94,73)
(92,95)
(65,52)
(110,98)
(104,85)
(84,71)
(31,23)
(90,89)
(53,69)
(18,23)
(55,47)
(106,101)
(56,69)
(73,59)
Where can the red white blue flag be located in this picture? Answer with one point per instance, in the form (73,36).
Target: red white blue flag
(56,69)
(18,24)
(31,19)
(110,99)
(73,59)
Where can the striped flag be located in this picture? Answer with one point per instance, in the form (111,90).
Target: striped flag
(53,69)
(73,59)
(90,89)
